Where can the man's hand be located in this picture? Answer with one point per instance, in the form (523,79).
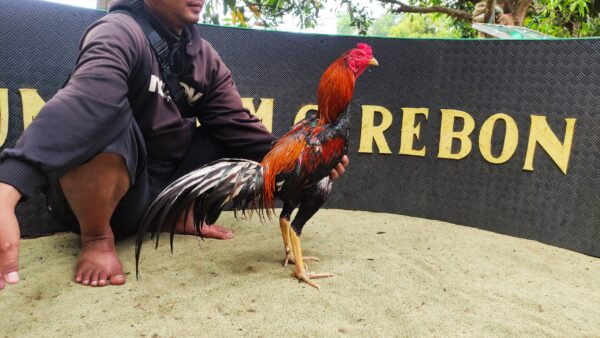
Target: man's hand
(339,170)
(9,235)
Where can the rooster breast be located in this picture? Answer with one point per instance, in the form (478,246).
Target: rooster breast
(324,148)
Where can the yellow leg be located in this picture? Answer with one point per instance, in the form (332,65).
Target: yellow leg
(299,271)
(286,230)
(284,224)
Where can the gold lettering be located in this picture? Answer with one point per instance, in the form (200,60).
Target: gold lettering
(447,134)
(370,132)
(3,115)
(264,111)
(32,104)
(511,138)
(410,130)
(541,134)
(303,111)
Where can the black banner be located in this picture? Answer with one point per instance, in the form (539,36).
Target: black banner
(499,135)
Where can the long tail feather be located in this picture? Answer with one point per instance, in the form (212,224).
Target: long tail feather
(204,193)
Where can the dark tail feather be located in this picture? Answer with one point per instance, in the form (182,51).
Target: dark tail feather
(204,192)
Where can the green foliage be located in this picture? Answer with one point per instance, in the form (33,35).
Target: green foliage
(405,25)
(565,18)
(264,13)
(344,26)
(384,25)
(359,16)
(462,27)
(424,26)
(561,18)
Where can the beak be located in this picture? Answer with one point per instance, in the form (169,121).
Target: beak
(373,62)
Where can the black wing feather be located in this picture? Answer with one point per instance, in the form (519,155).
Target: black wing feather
(204,193)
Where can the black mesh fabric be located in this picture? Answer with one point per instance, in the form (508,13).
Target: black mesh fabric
(557,79)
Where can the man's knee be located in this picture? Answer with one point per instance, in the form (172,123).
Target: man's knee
(106,173)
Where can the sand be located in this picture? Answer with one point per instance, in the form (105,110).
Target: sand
(395,276)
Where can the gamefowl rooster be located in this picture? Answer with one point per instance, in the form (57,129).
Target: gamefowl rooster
(296,171)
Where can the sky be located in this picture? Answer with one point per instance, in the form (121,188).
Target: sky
(326,23)
(79,3)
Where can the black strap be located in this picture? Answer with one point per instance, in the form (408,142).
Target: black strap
(164,55)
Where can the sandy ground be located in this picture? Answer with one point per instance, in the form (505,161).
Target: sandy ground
(396,276)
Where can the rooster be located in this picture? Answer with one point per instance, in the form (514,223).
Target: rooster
(295,171)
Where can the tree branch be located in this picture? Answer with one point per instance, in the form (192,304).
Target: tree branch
(520,11)
(405,8)
(489,9)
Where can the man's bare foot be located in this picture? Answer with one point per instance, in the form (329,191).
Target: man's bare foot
(98,264)
(214,231)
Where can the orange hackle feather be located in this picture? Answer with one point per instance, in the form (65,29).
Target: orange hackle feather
(335,90)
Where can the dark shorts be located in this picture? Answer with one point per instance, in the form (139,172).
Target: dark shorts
(148,176)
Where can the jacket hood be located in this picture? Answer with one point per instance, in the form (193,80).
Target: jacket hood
(118,4)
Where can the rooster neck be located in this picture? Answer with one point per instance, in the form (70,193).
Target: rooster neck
(335,91)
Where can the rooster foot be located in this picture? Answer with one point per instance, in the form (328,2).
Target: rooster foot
(306,277)
(289,258)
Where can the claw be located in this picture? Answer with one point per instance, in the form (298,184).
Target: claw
(298,259)
(319,275)
(289,259)
(306,278)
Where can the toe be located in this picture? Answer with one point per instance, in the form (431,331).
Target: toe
(318,275)
(1,283)
(117,279)
(102,279)
(85,277)
(309,282)
(289,259)
(216,231)
(94,278)
(98,264)
(12,277)
(223,233)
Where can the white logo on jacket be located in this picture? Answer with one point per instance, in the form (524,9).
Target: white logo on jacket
(191,94)
(158,86)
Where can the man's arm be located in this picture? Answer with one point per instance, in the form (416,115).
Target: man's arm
(83,117)
(242,133)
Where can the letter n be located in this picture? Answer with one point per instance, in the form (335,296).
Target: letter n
(541,134)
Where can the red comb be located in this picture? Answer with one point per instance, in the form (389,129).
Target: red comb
(364,47)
